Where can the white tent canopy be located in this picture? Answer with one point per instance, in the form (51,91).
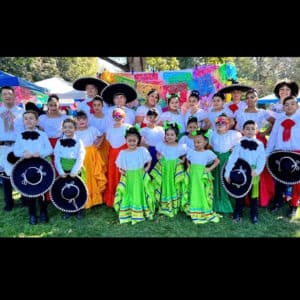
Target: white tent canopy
(62,88)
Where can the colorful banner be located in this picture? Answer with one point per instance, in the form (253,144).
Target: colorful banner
(175,77)
(175,88)
(143,89)
(145,77)
(126,80)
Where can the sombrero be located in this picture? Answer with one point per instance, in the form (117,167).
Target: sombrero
(33,176)
(81,83)
(240,179)
(284,166)
(118,88)
(69,194)
(234,86)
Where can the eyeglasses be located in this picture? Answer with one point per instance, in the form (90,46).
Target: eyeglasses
(117,117)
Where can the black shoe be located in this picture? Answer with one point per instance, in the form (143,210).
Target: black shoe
(8,208)
(66,216)
(292,211)
(275,208)
(44,217)
(32,220)
(79,215)
(254,220)
(237,219)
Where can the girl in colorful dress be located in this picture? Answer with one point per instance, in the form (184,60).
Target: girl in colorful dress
(100,121)
(222,140)
(188,139)
(116,137)
(195,111)
(173,114)
(198,202)
(93,162)
(151,102)
(168,175)
(152,135)
(134,199)
(69,155)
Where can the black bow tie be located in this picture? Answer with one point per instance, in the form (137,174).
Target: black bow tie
(32,135)
(251,145)
(67,142)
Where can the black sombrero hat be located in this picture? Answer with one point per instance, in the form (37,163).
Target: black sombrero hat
(33,176)
(118,88)
(69,194)
(240,177)
(284,166)
(81,83)
(234,86)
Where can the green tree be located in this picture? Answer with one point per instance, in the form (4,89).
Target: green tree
(190,62)
(162,63)
(71,68)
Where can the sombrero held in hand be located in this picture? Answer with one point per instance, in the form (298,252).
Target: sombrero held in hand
(284,166)
(33,176)
(69,194)
(240,179)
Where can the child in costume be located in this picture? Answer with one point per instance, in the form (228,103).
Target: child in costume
(195,111)
(169,174)
(251,150)
(198,202)
(285,136)
(222,140)
(188,139)
(98,120)
(33,143)
(116,137)
(69,153)
(173,114)
(134,199)
(151,102)
(93,162)
(152,135)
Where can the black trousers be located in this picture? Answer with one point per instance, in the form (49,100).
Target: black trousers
(239,205)
(7,189)
(31,203)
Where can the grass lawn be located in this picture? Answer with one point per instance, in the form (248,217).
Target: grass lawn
(102,222)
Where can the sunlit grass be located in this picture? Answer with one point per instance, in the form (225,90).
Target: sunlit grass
(102,221)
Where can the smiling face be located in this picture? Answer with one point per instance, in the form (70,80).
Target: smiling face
(200,142)
(69,129)
(132,141)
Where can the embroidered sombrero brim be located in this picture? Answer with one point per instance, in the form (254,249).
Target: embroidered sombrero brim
(233,87)
(69,194)
(274,168)
(238,191)
(32,177)
(118,88)
(81,83)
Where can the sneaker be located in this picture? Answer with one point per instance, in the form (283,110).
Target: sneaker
(292,211)
(79,215)
(254,220)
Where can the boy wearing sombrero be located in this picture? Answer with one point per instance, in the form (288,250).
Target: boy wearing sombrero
(252,151)
(117,95)
(92,87)
(236,90)
(284,163)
